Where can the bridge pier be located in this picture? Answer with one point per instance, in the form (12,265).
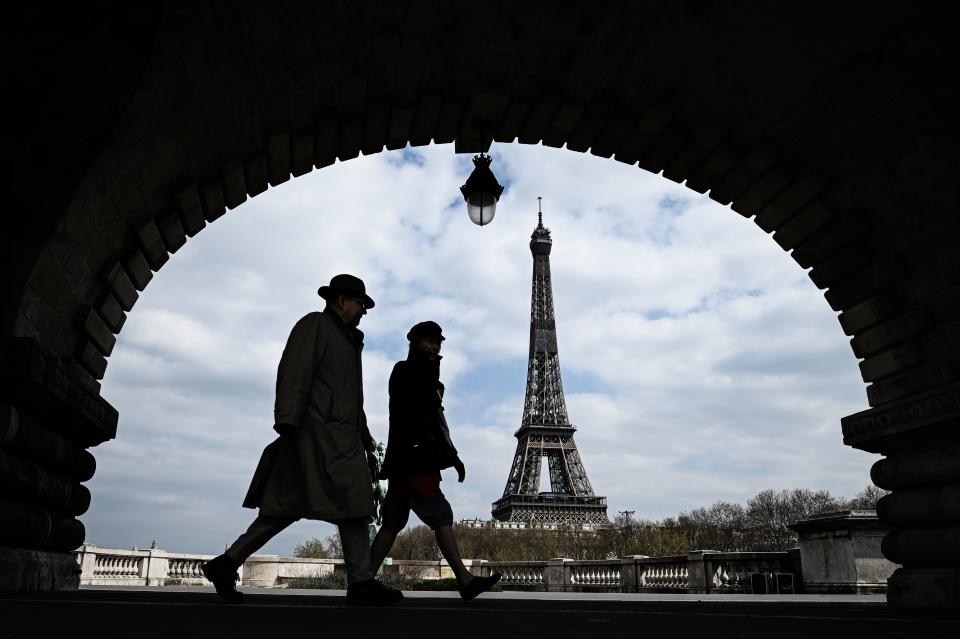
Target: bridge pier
(921,442)
(48,419)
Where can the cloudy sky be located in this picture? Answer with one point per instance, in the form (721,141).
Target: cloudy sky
(699,361)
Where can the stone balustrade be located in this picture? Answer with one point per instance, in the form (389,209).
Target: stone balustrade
(152,567)
(697,572)
(840,553)
(658,574)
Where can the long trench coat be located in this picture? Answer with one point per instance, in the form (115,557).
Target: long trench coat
(319,470)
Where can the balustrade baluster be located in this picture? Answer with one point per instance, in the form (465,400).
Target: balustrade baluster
(724,576)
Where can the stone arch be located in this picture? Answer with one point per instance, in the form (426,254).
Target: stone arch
(782,202)
(862,192)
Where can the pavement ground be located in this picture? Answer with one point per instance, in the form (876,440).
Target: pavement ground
(146,613)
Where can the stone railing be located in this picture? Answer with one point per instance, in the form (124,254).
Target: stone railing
(697,572)
(526,575)
(153,567)
(840,554)
(657,574)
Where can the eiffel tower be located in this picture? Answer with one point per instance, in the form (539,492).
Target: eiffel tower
(545,430)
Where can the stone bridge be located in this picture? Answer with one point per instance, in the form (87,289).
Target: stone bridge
(133,127)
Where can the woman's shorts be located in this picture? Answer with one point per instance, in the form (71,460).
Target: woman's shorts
(435,512)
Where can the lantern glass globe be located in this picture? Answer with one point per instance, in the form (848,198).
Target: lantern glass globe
(481,207)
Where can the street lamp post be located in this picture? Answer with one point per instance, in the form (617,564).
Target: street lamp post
(481,191)
(627,519)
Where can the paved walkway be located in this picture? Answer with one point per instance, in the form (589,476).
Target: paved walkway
(145,613)
(520,595)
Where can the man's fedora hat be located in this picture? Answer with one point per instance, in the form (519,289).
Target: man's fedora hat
(348,285)
(425,330)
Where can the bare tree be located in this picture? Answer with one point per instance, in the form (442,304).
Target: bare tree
(329,548)
(866,499)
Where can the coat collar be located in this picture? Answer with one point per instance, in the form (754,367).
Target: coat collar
(354,335)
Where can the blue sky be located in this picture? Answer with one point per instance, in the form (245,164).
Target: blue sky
(699,361)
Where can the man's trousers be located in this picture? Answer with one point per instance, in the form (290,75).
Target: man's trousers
(354,538)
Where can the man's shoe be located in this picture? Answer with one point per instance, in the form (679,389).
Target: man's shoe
(372,592)
(222,571)
(478,585)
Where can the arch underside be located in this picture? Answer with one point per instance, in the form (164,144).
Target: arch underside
(832,127)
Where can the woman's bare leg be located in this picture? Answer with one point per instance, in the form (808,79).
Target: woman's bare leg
(451,552)
(379,548)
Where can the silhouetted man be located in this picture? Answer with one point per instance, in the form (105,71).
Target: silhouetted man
(418,448)
(319,466)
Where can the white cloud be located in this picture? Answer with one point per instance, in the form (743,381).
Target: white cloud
(699,361)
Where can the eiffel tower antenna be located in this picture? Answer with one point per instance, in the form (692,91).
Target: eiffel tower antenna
(545,430)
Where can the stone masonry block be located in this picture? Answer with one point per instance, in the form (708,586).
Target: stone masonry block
(74,266)
(375,130)
(138,269)
(786,204)
(668,144)
(911,382)
(92,361)
(513,117)
(211,197)
(152,245)
(593,120)
(98,332)
(326,141)
(278,159)
(801,226)
(398,130)
(643,136)
(425,120)
(350,138)
(693,155)
(353,94)
(111,313)
(869,312)
(852,290)
(255,173)
(448,122)
(890,361)
(564,121)
(742,176)
(234,184)
(123,289)
(38,570)
(610,138)
(82,376)
(172,232)
(708,174)
(301,154)
(757,196)
(483,116)
(191,212)
(888,333)
(834,268)
(538,120)
(827,241)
